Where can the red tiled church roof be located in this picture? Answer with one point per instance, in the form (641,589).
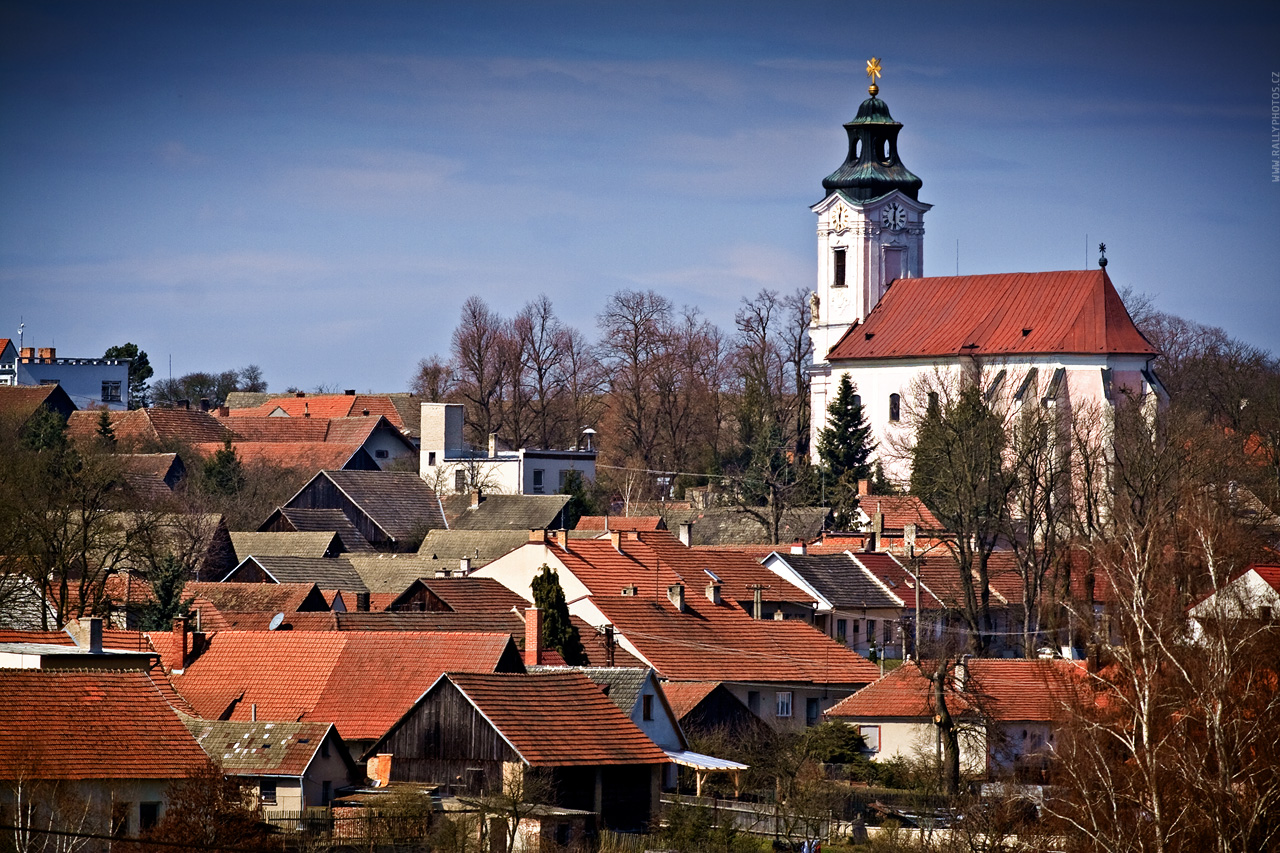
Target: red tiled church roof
(1072,311)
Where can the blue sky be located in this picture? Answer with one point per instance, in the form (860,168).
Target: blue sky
(317,187)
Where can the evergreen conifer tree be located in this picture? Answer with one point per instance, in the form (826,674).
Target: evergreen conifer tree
(557,631)
(844,446)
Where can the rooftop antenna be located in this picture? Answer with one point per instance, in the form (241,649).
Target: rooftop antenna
(957,256)
(21,326)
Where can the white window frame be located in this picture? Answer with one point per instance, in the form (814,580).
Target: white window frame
(784,703)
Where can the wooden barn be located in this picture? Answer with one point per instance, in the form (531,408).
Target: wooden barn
(551,737)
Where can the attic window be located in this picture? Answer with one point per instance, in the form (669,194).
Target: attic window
(870,335)
(1026,332)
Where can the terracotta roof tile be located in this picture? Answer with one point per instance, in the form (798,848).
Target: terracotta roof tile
(300,455)
(723,643)
(1006,690)
(1073,311)
(472,594)
(684,696)
(621,522)
(899,511)
(361,681)
(558,719)
(91,724)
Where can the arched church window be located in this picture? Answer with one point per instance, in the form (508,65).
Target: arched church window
(895,407)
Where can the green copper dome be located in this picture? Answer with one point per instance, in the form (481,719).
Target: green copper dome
(872,168)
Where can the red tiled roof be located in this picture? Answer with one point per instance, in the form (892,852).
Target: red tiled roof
(1073,311)
(655,560)
(899,511)
(620,522)
(1270,574)
(684,696)
(323,406)
(91,724)
(360,681)
(303,455)
(709,642)
(143,427)
(278,429)
(558,719)
(1005,690)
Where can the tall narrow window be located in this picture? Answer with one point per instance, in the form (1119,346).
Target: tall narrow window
(784,703)
(459,480)
(895,407)
(838,279)
(647,706)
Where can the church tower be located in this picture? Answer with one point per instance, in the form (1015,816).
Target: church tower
(870,227)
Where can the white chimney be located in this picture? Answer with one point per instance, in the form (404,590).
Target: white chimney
(685,532)
(798,547)
(675,593)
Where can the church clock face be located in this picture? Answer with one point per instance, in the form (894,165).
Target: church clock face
(893,216)
(840,219)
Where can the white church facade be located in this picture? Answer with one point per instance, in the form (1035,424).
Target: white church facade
(1056,338)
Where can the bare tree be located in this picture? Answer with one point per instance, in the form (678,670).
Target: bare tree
(632,326)
(541,339)
(434,380)
(479,354)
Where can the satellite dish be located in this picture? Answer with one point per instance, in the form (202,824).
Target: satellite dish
(276,622)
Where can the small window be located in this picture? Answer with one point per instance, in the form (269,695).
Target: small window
(856,626)
(562,834)
(842,630)
(871,630)
(753,701)
(784,703)
(267,792)
(871,737)
(564,478)
(381,454)
(324,748)
(460,481)
(431,459)
(895,407)
(857,400)
(148,815)
(837,279)
(647,703)
(537,480)
(326,792)
(111,392)
(812,710)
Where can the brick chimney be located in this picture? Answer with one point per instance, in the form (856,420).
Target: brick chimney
(379,770)
(798,547)
(48,354)
(675,593)
(476,498)
(864,488)
(181,645)
(539,536)
(27,354)
(87,632)
(615,539)
(532,636)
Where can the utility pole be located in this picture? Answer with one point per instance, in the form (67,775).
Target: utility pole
(909,537)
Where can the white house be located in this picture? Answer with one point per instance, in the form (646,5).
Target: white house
(1253,594)
(450,466)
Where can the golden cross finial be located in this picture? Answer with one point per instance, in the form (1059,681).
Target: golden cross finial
(873,71)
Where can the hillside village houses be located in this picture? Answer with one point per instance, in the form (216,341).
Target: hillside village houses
(376,632)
